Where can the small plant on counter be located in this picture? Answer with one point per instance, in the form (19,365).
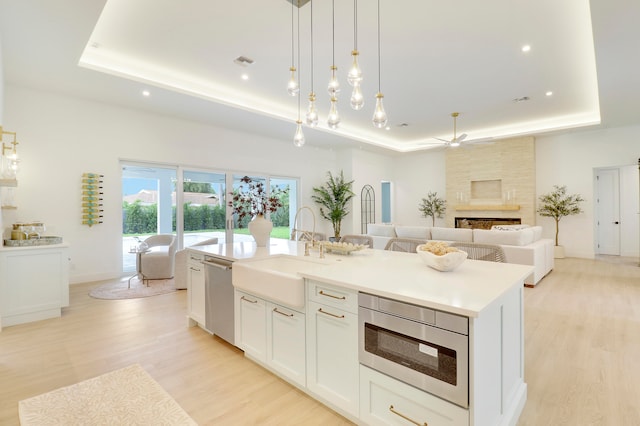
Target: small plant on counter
(433,207)
(557,204)
(333,198)
(253,200)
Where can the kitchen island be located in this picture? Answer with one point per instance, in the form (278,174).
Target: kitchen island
(316,346)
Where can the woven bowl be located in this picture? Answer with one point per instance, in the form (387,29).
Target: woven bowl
(447,262)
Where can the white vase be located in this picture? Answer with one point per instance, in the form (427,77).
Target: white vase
(260,229)
(558,252)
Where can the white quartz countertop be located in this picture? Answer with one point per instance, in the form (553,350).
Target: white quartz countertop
(467,290)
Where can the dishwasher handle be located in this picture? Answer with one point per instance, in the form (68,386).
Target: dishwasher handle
(219,265)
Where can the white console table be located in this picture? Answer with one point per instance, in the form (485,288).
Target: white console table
(34,283)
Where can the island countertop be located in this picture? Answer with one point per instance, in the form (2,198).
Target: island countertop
(467,290)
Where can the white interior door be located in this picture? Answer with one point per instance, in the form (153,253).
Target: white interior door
(608,211)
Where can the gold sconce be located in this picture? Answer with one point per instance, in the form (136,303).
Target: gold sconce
(9,164)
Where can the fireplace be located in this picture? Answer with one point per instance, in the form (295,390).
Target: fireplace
(485,222)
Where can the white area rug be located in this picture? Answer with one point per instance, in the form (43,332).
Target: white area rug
(128,396)
(119,289)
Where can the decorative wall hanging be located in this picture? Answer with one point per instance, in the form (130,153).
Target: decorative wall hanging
(92,199)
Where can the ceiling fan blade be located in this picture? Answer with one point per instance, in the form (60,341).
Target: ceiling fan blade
(461,137)
(443,140)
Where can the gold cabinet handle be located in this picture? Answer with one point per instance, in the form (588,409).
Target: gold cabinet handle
(194,269)
(277,311)
(330,314)
(248,300)
(322,293)
(407,418)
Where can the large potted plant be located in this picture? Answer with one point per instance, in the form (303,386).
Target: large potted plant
(253,201)
(433,206)
(557,204)
(333,198)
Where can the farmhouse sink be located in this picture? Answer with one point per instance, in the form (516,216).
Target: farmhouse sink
(275,278)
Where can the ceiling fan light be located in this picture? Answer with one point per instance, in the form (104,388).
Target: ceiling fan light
(454,143)
(379,115)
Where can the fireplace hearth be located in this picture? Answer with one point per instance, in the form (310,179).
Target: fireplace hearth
(485,222)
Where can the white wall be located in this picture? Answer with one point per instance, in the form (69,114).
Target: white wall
(570,160)
(62,137)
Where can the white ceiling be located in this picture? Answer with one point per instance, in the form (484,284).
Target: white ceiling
(437,57)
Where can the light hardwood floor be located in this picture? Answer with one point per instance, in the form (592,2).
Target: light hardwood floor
(582,349)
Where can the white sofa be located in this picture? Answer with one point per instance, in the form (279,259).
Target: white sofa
(522,244)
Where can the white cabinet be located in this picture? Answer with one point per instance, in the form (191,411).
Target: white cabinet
(251,325)
(332,346)
(385,401)
(272,335)
(286,342)
(195,288)
(34,283)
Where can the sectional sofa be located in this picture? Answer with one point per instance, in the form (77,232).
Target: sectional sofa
(522,244)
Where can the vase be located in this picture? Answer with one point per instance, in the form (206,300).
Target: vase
(260,229)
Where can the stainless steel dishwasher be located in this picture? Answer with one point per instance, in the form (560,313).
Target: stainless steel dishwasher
(219,312)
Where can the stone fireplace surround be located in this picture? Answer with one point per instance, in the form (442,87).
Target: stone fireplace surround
(485,222)
(491,181)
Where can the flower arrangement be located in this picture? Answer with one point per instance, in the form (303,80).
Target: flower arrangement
(254,200)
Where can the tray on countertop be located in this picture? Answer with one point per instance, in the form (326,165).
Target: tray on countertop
(42,241)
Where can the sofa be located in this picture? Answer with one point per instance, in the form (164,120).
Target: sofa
(522,244)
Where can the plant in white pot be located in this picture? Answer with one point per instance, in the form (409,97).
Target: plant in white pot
(433,206)
(254,202)
(557,204)
(333,198)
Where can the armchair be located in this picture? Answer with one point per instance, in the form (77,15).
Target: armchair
(158,262)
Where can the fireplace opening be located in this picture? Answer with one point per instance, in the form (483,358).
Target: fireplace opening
(485,222)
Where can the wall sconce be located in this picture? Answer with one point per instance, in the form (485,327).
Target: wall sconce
(10,161)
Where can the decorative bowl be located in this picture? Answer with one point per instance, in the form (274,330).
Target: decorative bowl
(446,262)
(342,248)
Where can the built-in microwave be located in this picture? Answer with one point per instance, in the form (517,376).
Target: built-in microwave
(426,348)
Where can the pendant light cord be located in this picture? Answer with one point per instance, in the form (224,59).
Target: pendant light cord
(292,45)
(355,24)
(378,46)
(333,32)
(298,62)
(311,27)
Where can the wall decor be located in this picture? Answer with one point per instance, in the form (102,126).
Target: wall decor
(92,199)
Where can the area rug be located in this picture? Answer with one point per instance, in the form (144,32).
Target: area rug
(118,289)
(128,396)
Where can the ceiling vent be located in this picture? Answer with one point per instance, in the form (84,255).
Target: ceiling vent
(243,61)
(298,3)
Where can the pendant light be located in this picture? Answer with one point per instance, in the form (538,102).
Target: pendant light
(334,85)
(293,87)
(354,77)
(312,112)
(298,138)
(379,114)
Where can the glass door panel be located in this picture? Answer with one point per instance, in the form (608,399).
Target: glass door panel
(203,206)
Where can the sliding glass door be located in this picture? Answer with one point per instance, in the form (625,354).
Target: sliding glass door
(203,206)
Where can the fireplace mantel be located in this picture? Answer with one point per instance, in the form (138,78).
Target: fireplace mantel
(488,207)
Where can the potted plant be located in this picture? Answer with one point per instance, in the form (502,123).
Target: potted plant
(333,198)
(432,206)
(557,204)
(254,202)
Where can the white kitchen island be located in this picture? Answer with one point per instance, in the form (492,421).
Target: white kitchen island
(320,356)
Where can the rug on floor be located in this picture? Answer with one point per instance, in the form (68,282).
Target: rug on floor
(128,396)
(118,289)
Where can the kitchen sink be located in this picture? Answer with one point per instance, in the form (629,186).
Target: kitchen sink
(275,278)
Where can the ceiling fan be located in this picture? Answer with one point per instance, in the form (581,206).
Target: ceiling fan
(456,139)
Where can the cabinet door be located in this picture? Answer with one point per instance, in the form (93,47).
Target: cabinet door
(385,401)
(196,292)
(332,354)
(251,325)
(286,343)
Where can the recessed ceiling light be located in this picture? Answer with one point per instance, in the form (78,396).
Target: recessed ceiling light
(245,77)
(146,93)
(526,48)
(388,128)
(549,93)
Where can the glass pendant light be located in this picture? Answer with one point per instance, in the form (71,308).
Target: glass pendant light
(293,87)
(312,112)
(298,138)
(357,99)
(333,120)
(334,85)
(354,76)
(379,114)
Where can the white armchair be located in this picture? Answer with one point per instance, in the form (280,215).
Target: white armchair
(158,262)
